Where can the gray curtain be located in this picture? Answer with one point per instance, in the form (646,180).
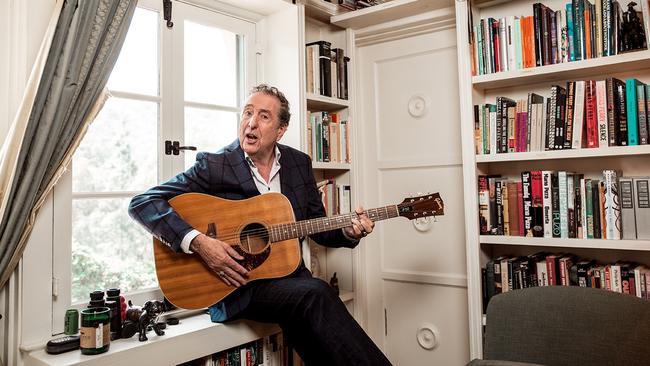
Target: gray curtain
(87,41)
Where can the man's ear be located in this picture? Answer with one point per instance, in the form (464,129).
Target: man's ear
(281,131)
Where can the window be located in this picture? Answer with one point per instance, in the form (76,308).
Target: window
(185,84)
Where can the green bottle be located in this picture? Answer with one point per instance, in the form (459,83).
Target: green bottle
(95,330)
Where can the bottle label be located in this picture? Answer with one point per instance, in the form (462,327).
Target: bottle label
(91,337)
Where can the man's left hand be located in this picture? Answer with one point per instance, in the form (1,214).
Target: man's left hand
(361,226)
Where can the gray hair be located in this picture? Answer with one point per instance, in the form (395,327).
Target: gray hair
(284,115)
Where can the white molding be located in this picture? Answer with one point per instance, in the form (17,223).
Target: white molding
(387,12)
(566,154)
(449,160)
(428,22)
(595,67)
(425,277)
(642,245)
(194,337)
(474,307)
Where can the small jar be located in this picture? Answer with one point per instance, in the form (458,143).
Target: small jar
(95,330)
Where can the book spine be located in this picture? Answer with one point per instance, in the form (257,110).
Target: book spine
(612,119)
(601,113)
(612,205)
(642,111)
(578,115)
(527,204)
(564,219)
(621,111)
(570,30)
(571,210)
(556,228)
(591,113)
(632,111)
(642,207)
(548,203)
(537,203)
(628,219)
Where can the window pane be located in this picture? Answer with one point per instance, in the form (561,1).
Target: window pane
(119,150)
(109,249)
(208,130)
(210,65)
(136,70)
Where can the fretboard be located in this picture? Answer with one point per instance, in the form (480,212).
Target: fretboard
(307,227)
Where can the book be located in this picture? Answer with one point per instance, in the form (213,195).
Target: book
(631,88)
(547,203)
(642,111)
(324,66)
(642,207)
(612,205)
(537,205)
(627,199)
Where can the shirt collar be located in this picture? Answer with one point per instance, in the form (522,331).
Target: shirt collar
(252,164)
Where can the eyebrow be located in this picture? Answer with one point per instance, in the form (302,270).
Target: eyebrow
(261,110)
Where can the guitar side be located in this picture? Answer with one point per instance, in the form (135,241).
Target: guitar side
(186,280)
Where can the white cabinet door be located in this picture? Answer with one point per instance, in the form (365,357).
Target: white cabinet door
(409,141)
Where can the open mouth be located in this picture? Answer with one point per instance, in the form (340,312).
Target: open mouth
(251,138)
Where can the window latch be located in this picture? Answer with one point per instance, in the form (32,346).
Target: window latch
(174,148)
(167,12)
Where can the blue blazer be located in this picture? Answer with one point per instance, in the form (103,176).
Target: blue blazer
(226,174)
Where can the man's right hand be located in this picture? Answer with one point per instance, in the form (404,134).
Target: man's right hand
(220,257)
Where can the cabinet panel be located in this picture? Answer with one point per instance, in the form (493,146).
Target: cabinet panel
(438,249)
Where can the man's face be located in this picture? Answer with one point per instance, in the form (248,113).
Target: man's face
(260,127)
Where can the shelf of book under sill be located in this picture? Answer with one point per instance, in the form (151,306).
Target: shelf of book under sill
(642,245)
(323,103)
(631,61)
(565,154)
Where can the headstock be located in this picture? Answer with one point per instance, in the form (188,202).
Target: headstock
(421,206)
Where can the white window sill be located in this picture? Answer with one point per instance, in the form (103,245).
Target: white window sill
(193,337)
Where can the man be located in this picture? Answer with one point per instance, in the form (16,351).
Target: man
(314,320)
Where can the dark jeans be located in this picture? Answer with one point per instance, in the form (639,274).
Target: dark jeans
(314,320)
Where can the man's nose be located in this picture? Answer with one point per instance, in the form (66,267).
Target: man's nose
(252,122)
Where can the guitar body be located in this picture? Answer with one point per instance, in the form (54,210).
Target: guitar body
(186,280)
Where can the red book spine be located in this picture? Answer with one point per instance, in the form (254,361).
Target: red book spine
(537,203)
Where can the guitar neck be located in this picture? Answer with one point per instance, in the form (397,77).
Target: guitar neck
(314,226)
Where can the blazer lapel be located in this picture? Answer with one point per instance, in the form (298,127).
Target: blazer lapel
(242,171)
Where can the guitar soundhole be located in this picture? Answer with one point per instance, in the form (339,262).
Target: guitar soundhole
(254,238)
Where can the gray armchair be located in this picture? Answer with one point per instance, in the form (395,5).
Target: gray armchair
(560,325)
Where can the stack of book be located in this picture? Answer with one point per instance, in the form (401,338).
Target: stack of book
(328,137)
(336,197)
(582,114)
(327,70)
(563,204)
(507,273)
(580,31)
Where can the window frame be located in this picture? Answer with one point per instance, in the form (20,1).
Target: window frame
(171,107)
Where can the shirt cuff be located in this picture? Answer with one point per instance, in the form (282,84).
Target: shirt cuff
(187,240)
(349,237)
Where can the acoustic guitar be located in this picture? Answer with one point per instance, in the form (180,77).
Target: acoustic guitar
(263,230)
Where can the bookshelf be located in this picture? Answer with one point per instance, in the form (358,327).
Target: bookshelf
(386,12)
(516,84)
(317,27)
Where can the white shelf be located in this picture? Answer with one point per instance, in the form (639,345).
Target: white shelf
(643,245)
(565,154)
(323,103)
(346,296)
(321,10)
(595,67)
(386,12)
(193,337)
(330,166)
